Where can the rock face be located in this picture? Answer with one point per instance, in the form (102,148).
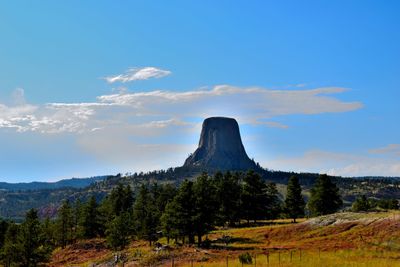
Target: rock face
(220,147)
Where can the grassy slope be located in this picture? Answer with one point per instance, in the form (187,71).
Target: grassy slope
(343,239)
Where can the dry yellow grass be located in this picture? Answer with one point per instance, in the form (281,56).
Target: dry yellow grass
(343,239)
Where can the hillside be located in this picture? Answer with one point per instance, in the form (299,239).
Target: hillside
(342,239)
(73,183)
(14,204)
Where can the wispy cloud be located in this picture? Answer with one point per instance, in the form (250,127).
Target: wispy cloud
(336,163)
(253,105)
(136,74)
(391,149)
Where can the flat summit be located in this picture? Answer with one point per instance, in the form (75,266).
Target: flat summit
(220,147)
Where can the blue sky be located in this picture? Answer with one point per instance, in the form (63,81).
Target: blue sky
(101,87)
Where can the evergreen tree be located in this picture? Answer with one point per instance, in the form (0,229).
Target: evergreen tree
(388,204)
(118,232)
(169,221)
(49,233)
(361,204)
(274,204)
(205,206)
(325,197)
(146,215)
(65,224)
(294,202)
(3,229)
(162,194)
(89,223)
(77,215)
(178,219)
(254,197)
(228,190)
(121,199)
(11,251)
(30,242)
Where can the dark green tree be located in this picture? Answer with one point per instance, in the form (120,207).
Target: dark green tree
(389,204)
(65,224)
(325,197)
(145,215)
(162,194)
(361,204)
(11,251)
(3,229)
(206,206)
(89,224)
(254,197)
(274,203)
(77,215)
(49,233)
(170,223)
(228,194)
(118,232)
(30,242)
(121,199)
(294,202)
(178,219)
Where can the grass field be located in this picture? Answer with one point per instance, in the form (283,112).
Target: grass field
(342,239)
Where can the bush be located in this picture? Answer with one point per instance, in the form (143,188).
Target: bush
(245,258)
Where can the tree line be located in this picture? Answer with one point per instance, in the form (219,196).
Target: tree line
(185,214)
(362,203)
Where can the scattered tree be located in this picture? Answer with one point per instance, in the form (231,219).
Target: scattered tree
(325,197)
(294,202)
(89,223)
(361,204)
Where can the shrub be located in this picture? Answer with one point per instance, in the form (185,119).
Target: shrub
(245,258)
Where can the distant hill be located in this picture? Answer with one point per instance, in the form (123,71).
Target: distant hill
(72,183)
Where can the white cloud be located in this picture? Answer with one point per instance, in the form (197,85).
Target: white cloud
(136,74)
(253,102)
(334,163)
(253,105)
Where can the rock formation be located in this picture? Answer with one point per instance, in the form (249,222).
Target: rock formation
(220,147)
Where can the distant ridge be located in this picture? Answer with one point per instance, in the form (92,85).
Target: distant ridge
(72,183)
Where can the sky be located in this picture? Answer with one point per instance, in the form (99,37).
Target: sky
(103,87)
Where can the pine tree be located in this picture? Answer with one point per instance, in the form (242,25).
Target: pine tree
(361,204)
(274,203)
(205,206)
(77,216)
(178,219)
(325,197)
(228,190)
(169,221)
(89,224)
(162,194)
(11,251)
(254,197)
(49,233)
(118,232)
(146,215)
(121,199)
(65,224)
(30,242)
(294,202)
(3,229)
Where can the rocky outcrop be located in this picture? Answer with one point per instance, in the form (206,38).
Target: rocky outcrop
(220,147)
